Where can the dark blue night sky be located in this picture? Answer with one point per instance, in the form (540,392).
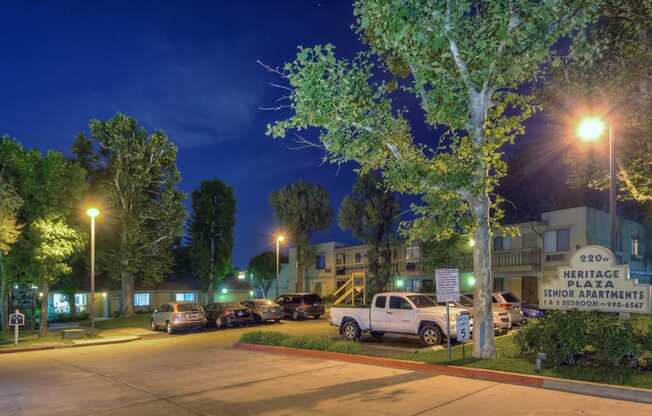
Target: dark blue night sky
(188,68)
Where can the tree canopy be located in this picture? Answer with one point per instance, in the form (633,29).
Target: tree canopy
(143,201)
(211,232)
(302,208)
(370,212)
(466,62)
(263,268)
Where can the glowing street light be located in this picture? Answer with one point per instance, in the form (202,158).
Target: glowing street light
(591,129)
(93,213)
(279,239)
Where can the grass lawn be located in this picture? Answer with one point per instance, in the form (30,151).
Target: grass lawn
(508,359)
(140,320)
(31,339)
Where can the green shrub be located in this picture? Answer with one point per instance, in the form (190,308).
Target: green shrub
(346,347)
(264,338)
(595,338)
(306,342)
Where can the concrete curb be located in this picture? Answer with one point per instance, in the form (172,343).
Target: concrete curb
(549,383)
(89,343)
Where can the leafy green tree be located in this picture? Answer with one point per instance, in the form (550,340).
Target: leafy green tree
(302,208)
(211,232)
(54,243)
(608,73)
(369,212)
(464,62)
(144,203)
(263,268)
(10,203)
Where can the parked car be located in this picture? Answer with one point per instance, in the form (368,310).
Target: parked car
(499,304)
(508,302)
(223,314)
(177,315)
(301,305)
(400,313)
(501,319)
(264,310)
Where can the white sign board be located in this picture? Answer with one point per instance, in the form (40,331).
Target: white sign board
(463,327)
(16,319)
(447,285)
(594,282)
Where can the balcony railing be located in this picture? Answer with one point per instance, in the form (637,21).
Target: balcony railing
(504,259)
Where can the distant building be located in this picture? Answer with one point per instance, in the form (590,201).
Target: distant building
(519,263)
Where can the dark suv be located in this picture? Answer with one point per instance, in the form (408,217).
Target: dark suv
(301,305)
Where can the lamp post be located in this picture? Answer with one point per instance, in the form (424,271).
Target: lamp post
(92,212)
(279,239)
(591,129)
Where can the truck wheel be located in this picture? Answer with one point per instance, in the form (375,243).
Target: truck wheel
(351,331)
(431,335)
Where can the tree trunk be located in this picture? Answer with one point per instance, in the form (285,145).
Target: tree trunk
(483,327)
(4,306)
(127,294)
(300,278)
(211,278)
(72,302)
(43,325)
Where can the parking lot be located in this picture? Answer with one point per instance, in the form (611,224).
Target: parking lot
(197,373)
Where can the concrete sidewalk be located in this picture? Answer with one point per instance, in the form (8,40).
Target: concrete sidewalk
(196,375)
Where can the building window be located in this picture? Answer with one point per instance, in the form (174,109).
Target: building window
(320,262)
(556,241)
(503,243)
(412,253)
(60,303)
(185,297)
(358,257)
(142,299)
(81,301)
(340,259)
(635,247)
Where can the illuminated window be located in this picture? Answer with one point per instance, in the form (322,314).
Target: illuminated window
(142,299)
(635,246)
(186,297)
(60,303)
(412,253)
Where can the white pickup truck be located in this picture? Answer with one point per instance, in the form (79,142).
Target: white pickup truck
(400,313)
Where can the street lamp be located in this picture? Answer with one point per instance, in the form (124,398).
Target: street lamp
(279,239)
(92,212)
(591,129)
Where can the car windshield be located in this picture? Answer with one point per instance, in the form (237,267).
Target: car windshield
(187,307)
(263,302)
(311,299)
(231,305)
(509,297)
(421,301)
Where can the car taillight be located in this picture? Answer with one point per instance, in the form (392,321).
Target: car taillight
(506,306)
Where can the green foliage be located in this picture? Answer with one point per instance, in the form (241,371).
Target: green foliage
(585,338)
(140,181)
(10,203)
(263,268)
(370,213)
(211,231)
(608,73)
(54,243)
(303,208)
(306,342)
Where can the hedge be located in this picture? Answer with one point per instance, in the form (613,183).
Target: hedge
(308,342)
(588,338)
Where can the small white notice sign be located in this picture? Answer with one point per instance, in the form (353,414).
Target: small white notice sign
(447,285)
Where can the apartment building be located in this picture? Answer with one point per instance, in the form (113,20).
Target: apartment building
(519,263)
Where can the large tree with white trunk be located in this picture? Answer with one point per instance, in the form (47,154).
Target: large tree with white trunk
(467,64)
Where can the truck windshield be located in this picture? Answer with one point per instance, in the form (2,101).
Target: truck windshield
(421,301)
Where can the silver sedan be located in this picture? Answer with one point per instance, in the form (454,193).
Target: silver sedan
(264,309)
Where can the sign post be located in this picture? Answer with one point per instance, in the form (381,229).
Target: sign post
(16,320)
(594,282)
(447,287)
(463,329)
